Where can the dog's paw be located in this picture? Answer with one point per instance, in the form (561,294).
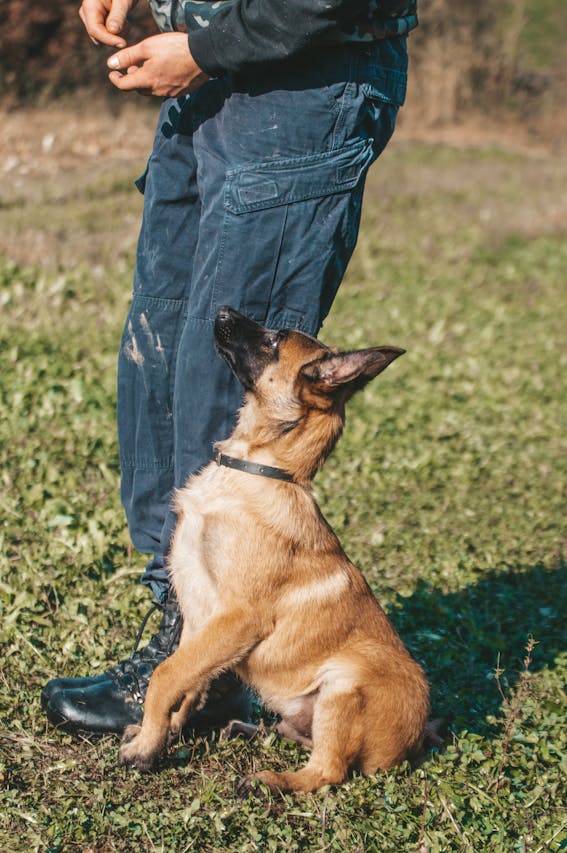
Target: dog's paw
(127,757)
(130,732)
(251,786)
(132,754)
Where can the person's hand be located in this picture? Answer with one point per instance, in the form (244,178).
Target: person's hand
(105,20)
(159,65)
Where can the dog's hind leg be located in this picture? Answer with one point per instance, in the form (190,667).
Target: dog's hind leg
(248,731)
(287,730)
(337,739)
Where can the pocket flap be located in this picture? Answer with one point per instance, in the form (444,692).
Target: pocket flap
(386,84)
(275,182)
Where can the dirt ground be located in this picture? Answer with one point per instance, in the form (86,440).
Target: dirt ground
(43,141)
(55,159)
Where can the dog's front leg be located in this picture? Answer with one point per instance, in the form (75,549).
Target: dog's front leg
(180,679)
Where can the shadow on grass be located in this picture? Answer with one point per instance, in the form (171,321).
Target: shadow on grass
(458,637)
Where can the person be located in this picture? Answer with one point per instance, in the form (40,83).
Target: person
(272,113)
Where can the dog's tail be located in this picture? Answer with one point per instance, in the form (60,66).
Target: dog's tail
(432,738)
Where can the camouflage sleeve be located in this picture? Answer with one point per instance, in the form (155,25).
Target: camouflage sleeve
(254,32)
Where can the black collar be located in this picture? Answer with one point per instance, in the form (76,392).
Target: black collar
(253,468)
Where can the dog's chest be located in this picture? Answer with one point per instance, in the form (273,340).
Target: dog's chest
(193,563)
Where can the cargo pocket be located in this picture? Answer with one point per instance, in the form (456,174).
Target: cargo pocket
(267,200)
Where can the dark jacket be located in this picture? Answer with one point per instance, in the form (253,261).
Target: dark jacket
(235,35)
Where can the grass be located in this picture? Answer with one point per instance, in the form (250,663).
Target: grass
(543,37)
(447,490)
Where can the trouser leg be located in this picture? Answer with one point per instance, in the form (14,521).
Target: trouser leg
(148,352)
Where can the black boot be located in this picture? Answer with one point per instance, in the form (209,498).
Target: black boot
(113,700)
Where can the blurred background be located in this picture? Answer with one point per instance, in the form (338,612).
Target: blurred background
(506,62)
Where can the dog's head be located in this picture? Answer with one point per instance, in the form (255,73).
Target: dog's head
(291,376)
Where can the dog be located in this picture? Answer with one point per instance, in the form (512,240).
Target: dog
(265,588)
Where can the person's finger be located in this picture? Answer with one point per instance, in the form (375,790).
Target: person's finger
(117,16)
(84,20)
(134,81)
(136,54)
(93,16)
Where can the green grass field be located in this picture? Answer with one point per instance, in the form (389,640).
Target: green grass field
(447,490)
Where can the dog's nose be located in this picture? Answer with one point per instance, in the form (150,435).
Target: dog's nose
(225,325)
(225,314)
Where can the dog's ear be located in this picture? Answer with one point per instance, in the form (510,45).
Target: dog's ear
(348,372)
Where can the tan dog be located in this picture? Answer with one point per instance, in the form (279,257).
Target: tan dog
(264,586)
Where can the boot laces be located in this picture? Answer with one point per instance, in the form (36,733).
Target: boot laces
(133,674)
